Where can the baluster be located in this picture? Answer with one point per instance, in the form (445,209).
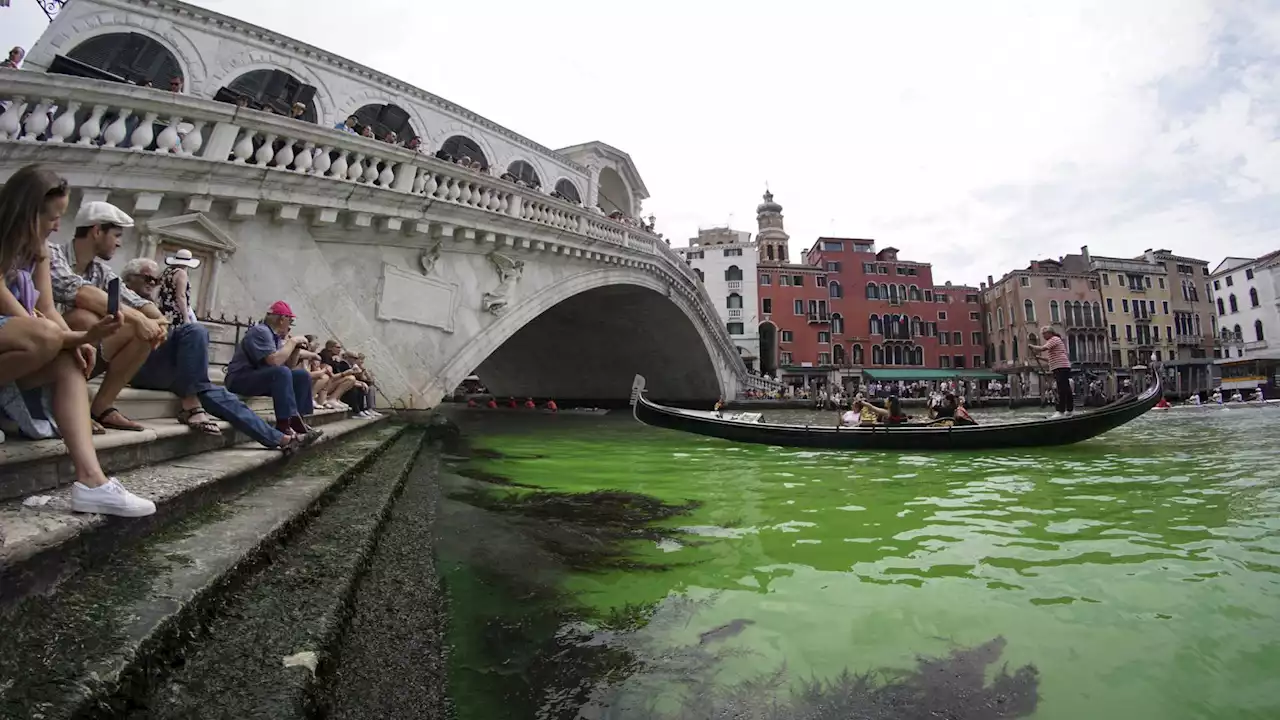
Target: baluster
(117,130)
(339,168)
(430,186)
(169,140)
(454,190)
(303,162)
(525,209)
(37,121)
(420,181)
(388,176)
(65,126)
(194,140)
(265,151)
(464,197)
(284,157)
(356,171)
(11,120)
(480,196)
(370,171)
(504,201)
(144,133)
(91,128)
(321,163)
(243,149)
(495,200)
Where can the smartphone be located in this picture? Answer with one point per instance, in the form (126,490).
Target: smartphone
(113,297)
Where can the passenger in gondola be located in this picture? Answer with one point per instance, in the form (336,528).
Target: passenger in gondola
(950,410)
(719,408)
(891,414)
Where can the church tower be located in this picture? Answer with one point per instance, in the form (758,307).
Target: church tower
(771,238)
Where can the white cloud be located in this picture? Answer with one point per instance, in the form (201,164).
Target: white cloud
(973,135)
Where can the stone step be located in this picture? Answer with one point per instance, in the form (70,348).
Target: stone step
(260,575)
(28,467)
(43,545)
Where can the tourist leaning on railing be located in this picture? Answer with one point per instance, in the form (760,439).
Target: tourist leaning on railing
(41,359)
(181,366)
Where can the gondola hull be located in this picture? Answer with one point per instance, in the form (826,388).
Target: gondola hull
(1032,433)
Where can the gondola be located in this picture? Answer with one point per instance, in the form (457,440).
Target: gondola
(912,436)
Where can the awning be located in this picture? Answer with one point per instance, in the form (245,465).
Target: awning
(929,374)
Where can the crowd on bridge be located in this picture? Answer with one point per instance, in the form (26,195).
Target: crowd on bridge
(66,318)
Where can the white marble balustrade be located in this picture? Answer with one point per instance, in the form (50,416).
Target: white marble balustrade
(113,117)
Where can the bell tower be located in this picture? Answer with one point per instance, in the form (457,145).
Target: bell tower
(771,238)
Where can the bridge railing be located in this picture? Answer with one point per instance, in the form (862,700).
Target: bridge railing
(121,119)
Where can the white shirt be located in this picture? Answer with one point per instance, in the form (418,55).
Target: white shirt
(849,418)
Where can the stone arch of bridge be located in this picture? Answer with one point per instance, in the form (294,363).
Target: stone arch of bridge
(614,321)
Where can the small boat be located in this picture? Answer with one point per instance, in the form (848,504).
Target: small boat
(909,436)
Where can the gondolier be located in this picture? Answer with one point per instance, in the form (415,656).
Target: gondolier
(1060,366)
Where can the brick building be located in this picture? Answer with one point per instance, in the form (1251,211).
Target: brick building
(849,313)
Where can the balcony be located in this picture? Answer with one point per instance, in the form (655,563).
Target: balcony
(735,285)
(1195,340)
(1255,345)
(735,313)
(819,318)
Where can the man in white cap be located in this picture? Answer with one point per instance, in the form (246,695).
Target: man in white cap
(80,275)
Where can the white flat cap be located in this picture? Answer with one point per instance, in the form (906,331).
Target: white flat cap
(102,213)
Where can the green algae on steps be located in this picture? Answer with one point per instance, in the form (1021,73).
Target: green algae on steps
(61,652)
(296,602)
(391,661)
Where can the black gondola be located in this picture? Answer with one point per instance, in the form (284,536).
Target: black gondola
(911,436)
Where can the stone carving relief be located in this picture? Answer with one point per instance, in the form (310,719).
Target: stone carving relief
(407,297)
(429,257)
(509,271)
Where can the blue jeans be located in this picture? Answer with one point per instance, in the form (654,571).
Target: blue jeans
(290,390)
(181,366)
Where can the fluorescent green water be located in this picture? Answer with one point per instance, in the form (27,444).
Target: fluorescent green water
(1139,572)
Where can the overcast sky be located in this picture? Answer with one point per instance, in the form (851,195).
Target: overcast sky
(973,135)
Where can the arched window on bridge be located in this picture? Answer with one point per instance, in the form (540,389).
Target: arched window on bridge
(837,324)
(876,327)
(566,190)
(1054,316)
(734,301)
(276,90)
(524,172)
(877,355)
(834,289)
(856,353)
(459,147)
(733,272)
(873,292)
(123,57)
(837,354)
(384,120)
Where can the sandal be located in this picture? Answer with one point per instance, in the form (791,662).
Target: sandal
(123,423)
(208,426)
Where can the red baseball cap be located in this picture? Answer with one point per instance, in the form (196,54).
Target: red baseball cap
(282,309)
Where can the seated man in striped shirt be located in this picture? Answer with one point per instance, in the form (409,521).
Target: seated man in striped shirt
(80,275)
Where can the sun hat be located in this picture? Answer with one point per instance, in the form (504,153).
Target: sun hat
(183,258)
(102,213)
(282,309)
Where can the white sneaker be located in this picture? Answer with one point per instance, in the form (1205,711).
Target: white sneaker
(109,499)
(1056,415)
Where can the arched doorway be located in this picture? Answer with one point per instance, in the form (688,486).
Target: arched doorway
(614,196)
(524,172)
(566,190)
(131,57)
(384,119)
(768,349)
(461,146)
(276,90)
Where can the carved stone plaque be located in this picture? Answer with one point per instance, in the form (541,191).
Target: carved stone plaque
(412,298)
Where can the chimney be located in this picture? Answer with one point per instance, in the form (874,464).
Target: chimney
(948,283)
(1084,251)
(982,286)
(991,281)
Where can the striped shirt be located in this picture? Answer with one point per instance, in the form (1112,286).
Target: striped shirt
(67,281)
(1057,351)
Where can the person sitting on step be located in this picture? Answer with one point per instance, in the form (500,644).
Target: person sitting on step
(181,366)
(44,364)
(346,385)
(265,365)
(80,276)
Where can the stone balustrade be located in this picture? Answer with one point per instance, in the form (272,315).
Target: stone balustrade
(118,118)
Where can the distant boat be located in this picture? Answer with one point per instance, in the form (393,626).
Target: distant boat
(909,436)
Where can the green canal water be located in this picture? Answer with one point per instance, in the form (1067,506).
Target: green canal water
(1133,576)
